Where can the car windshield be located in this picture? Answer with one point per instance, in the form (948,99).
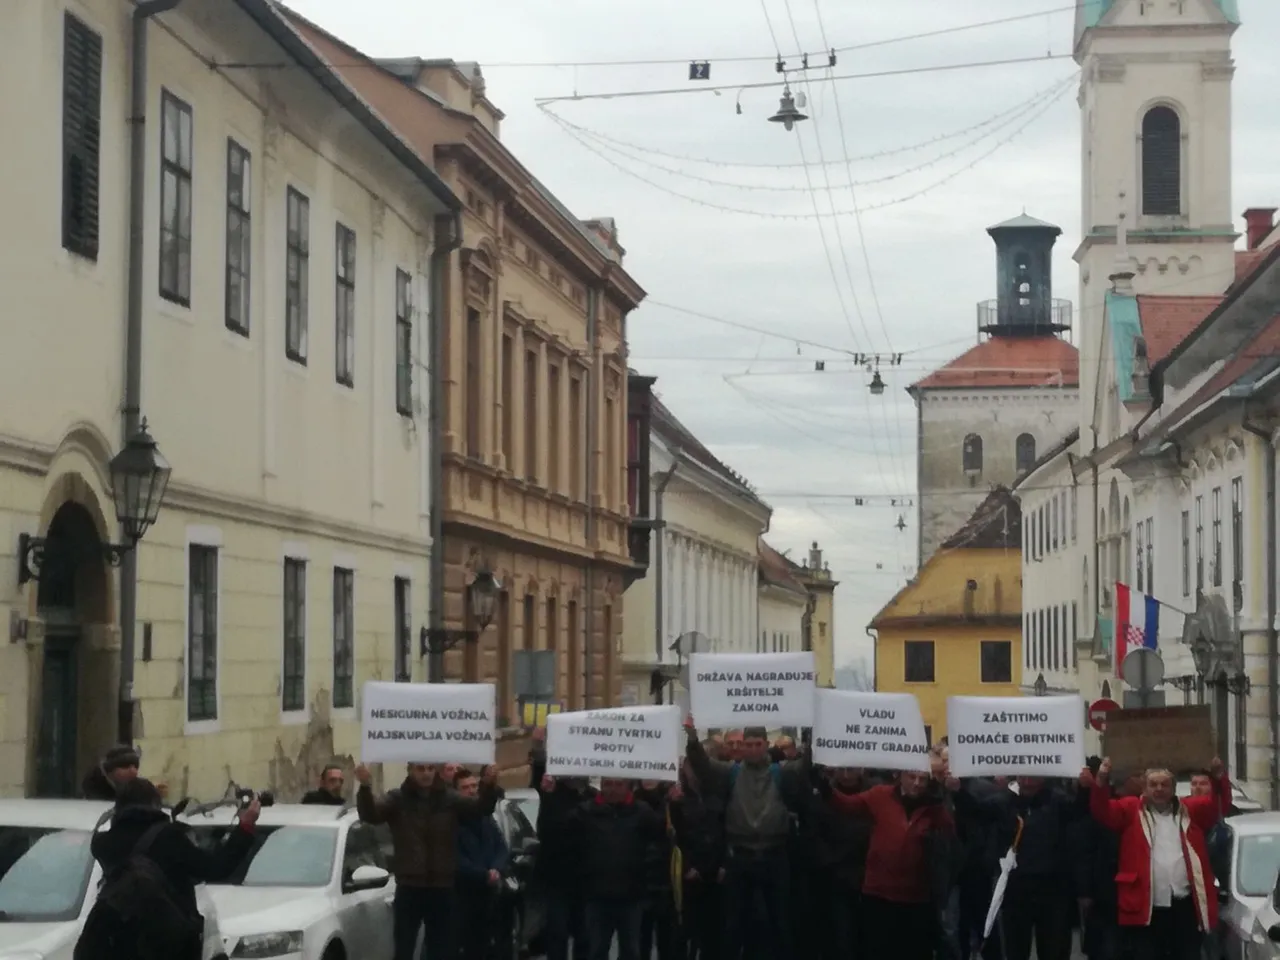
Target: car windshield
(1259,862)
(281,856)
(44,873)
(528,805)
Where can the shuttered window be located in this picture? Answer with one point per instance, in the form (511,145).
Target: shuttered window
(81,136)
(1161,163)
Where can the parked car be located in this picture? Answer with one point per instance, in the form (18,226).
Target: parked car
(315,886)
(517,818)
(49,879)
(1247,893)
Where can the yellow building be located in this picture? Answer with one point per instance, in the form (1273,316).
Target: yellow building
(819,629)
(956,628)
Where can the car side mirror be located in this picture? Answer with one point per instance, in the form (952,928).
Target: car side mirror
(366,878)
(1274,934)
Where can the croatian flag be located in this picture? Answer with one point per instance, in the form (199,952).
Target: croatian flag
(1137,622)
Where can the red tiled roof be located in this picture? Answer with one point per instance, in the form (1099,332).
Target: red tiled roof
(1246,260)
(1166,321)
(1009,362)
(776,570)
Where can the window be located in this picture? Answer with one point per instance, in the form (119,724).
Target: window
(971,453)
(610,486)
(529,627)
(344,643)
(531,415)
(1186,553)
(404,632)
(81,136)
(918,661)
(997,661)
(1141,553)
(553,637)
(635,466)
(404,344)
(1217,537)
(239,237)
(471,383)
(1024,452)
(1075,632)
(574,665)
(1199,543)
(175,199)
(508,400)
(202,633)
(1161,163)
(553,427)
(293,686)
(1074,511)
(297,275)
(344,307)
(1151,555)
(1237,529)
(1053,515)
(577,463)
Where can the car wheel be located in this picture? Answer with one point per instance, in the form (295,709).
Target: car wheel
(335,951)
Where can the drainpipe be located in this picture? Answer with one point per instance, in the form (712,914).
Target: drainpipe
(875,641)
(660,566)
(1273,637)
(447,239)
(593,450)
(132,409)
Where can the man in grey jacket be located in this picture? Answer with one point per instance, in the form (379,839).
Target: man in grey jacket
(757,794)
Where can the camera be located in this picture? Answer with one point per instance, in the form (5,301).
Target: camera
(245,796)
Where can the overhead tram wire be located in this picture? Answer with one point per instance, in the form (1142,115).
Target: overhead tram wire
(774,84)
(839,236)
(761,58)
(773,215)
(631,154)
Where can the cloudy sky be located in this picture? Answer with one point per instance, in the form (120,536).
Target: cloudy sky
(717,209)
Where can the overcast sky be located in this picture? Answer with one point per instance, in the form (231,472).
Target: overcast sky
(941,155)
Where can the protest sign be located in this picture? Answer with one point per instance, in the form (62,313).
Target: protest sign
(636,743)
(1016,736)
(882,731)
(769,690)
(428,723)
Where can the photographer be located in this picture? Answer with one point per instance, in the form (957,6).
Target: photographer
(424,815)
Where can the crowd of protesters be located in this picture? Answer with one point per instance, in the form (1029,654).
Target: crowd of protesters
(757,852)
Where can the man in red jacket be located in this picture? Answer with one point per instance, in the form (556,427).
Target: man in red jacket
(899,910)
(1164,884)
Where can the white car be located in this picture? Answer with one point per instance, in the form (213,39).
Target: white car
(317,885)
(48,878)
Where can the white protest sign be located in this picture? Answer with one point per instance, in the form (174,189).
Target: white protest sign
(752,689)
(881,731)
(636,743)
(428,723)
(1015,736)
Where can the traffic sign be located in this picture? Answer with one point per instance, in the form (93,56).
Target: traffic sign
(1098,711)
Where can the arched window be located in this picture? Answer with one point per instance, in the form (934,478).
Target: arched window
(972,453)
(1161,163)
(1025,452)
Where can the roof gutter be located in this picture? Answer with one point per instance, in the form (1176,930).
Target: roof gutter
(273,23)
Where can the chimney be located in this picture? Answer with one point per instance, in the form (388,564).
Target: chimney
(1259,222)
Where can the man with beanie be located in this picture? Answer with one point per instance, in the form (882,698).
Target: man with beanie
(756,793)
(119,765)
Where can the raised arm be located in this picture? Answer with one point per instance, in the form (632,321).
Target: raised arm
(712,774)
(856,804)
(1205,812)
(373,809)
(1106,809)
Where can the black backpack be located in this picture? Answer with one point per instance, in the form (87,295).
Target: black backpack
(139,913)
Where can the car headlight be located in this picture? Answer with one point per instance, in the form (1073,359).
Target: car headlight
(268,945)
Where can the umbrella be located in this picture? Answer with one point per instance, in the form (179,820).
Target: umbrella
(1007,864)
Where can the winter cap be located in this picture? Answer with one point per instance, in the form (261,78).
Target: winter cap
(755,733)
(117,758)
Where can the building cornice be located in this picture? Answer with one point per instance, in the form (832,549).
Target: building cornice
(957,621)
(694,473)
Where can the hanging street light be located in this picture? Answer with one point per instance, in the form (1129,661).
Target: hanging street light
(787,114)
(482,600)
(877,384)
(139,478)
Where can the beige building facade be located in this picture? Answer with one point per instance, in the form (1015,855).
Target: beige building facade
(538,470)
(283,296)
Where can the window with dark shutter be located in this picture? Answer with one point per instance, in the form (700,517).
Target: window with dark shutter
(971,453)
(1161,163)
(1025,452)
(81,136)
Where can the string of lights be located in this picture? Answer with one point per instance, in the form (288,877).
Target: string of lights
(774,84)
(775,215)
(627,149)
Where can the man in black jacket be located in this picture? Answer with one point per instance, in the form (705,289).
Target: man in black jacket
(659,927)
(611,837)
(699,825)
(556,869)
(329,792)
(138,811)
(119,765)
(840,858)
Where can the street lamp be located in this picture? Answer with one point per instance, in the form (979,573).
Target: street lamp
(139,478)
(482,597)
(787,114)
(1040,688)
(877,384)
(1202,654)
